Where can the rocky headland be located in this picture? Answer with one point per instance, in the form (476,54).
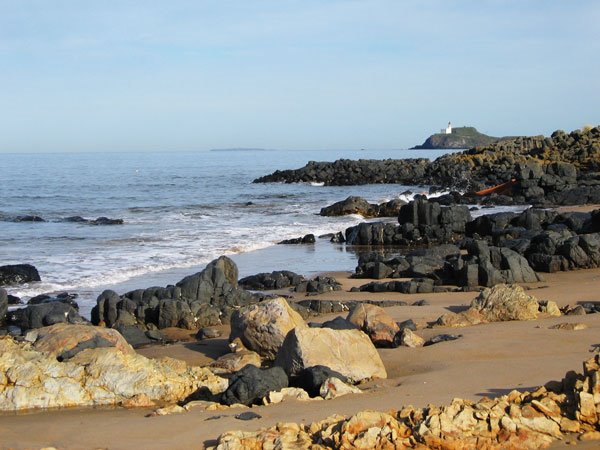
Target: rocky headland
(460,138)
(562,169)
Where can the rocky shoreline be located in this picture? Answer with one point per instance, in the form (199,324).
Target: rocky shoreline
(292,339)
(562,169)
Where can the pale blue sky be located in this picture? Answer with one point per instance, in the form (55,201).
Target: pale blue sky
(290,74)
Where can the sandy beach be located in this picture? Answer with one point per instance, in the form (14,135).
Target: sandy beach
(488,360)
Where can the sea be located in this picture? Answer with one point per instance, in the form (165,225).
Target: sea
(180,210)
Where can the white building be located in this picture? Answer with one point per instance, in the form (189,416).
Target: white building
(447,130)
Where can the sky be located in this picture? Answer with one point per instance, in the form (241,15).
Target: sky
(119,75)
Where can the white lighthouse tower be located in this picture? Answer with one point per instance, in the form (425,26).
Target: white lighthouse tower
(449,128)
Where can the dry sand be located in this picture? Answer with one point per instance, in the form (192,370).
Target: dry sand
(489,360)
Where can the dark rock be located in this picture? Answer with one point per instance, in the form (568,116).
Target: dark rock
(318,285)
(274,280)
(408,324)
(44,314)
(96,342)
(247,415)
(63,297)
(312,378)
(308,239)
(18,274)
(135,336)
(442,338)
(352,205)
(339,323)
(338,238)
(250,384)
(3,306)
(28,219)
(208,333)
(14,300)
(106,221)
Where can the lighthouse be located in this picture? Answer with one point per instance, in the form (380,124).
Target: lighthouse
(447,130)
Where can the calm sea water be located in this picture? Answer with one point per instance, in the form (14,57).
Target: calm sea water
(181,210)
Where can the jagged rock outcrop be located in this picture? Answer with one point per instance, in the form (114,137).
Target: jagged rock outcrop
(421,222)
(204,299)
(30,378)
(523,420)
(44,314)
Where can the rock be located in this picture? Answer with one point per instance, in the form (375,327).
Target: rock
(339,323)
(208,333)
(3,306)
(308,239)
(318,285)
(549,307)
(45,314)
(569,326)
(312,378)
(251,384)
(352,205)
(274,280)
(99,376)
(262,327)
(248,415)
(18,274)
(136,337)
(376,323)
(410,339)
(334,387)
(205,298)
(442,338)
(63,297)
(506,302)
(349,352)
(233,362)
(28,218)
(106,221)
(61,338)
(291,393)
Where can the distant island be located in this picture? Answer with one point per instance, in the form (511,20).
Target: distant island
(241,149)
(458,138)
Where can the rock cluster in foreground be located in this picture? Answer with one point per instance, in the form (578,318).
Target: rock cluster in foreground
(33,377)
(519,420)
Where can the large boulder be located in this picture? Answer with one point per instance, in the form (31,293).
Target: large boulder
(506,302)
(349,352)
(376,323)
(30,378)
(63,338)
(251,384)
(18,274)
(262,327)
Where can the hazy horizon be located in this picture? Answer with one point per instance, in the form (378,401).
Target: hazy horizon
(290,75)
